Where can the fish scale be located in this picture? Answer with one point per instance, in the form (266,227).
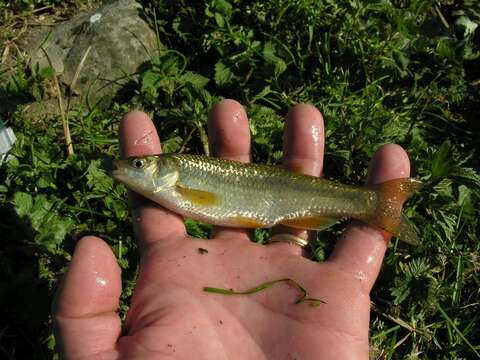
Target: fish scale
(266,193)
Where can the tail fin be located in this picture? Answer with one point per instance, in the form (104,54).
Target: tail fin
(388,214)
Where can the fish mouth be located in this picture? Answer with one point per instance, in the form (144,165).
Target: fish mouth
(116,173)
(119,173)
(119,176)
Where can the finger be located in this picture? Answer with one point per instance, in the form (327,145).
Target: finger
(153,224)
(86,324)
(229,138)
(303,146)
(361,249)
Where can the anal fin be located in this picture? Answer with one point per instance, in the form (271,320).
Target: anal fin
(246,222)
(310,222)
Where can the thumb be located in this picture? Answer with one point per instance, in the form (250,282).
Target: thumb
(85,319)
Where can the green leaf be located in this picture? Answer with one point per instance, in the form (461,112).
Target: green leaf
(442,163)
(465,199)
(47,72)
(269,53)
(23,203)
(196,80)
(223,6)
(219,19)
(444,49)
(53,232)
(400,292)
(98,179)
(223,74)
(150,82)
(466,174)
(469,25)
(41,211)
(172,145)
(197,229)
(280,68)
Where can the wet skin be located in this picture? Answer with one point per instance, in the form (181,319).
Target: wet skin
(171,317)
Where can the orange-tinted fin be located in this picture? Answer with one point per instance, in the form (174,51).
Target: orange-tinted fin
(388,214)
(198,197)
(310,223)
(406,232)
(246,222)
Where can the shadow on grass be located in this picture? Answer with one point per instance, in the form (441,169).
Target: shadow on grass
(24,298)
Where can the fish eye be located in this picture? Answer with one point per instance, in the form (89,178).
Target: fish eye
(139,163)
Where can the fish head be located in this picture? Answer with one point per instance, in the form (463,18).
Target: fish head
(146,174)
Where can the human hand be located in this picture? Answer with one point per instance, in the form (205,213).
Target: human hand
(171,317)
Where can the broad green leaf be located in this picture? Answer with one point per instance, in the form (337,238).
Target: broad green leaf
(223,6)
(469,25)
(196,80)
(445,49)
(98,179)
(172,145)
(41,211)
(223,74)
(23,203)
(219,19)
(442,163)
(150,81)
(269,53)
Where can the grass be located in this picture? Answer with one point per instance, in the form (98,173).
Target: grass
(380,71)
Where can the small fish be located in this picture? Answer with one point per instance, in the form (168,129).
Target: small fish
(230,193)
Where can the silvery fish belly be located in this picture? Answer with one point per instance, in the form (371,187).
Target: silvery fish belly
(230,193)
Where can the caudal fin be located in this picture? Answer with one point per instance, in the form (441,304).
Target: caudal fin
(388,214)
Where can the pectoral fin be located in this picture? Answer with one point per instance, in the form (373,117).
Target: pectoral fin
(310,223)
(198,197)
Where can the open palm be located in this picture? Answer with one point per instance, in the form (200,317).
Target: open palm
(172,317)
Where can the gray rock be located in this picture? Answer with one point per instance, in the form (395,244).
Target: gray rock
(96,53)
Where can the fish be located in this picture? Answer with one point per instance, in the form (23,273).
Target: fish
(235,194)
